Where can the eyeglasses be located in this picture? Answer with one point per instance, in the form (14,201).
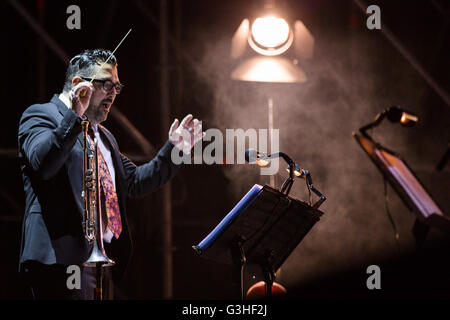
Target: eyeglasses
(108,85)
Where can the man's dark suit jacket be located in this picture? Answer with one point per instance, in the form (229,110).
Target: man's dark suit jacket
(50,155)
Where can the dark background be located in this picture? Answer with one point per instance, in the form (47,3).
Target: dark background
(355,74)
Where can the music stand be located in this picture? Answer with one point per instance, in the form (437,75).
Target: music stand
(263,228)
(404,181)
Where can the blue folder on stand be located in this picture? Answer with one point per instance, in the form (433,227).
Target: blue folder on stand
(229,218)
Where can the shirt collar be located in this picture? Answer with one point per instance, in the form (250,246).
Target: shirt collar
(94,127)
(65,100)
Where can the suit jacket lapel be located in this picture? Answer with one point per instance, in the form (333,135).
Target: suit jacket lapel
(62,108)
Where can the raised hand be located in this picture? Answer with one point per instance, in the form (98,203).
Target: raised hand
(80,96)
(186,134)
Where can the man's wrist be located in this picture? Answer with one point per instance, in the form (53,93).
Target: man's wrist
(80,118)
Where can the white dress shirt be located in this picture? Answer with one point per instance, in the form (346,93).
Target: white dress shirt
(107,234)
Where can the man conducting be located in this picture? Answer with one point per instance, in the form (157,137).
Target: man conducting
(51,161)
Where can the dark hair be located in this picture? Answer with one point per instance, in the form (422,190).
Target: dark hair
(83,64)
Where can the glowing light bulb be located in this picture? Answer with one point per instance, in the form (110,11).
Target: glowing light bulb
(262,162)
(270,32)
(408,119)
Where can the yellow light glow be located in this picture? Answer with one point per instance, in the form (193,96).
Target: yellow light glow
(407,118)
(403,118)
(269,69)
(270,32)
(297,172)
(262,162)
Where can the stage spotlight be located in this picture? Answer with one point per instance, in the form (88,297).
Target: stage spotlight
(276,48)
(269,46)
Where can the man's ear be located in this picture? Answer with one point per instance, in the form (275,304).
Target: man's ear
(76,80)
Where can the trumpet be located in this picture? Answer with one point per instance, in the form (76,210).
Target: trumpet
(92,217)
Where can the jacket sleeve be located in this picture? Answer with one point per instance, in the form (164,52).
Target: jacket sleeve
(44,142)
(144,179)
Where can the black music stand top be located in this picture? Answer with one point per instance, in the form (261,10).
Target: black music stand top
(263,228)
(405,182)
